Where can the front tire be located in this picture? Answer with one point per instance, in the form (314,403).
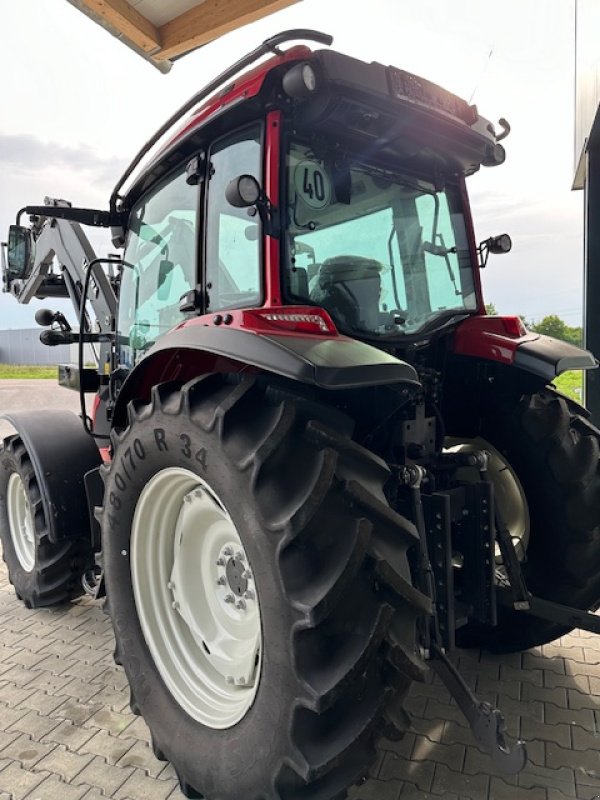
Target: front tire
(332,586)
(554,451)
(43,572)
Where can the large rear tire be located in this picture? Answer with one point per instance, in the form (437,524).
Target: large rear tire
(43,572)
(325,569)
(553,449)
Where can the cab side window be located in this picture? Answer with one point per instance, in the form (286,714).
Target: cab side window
(233,275)
(161,258)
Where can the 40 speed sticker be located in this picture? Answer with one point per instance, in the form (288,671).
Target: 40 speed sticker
(312,184)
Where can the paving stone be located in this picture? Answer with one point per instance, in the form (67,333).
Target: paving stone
(447,780)
(140,787)
(578,682)
(64,763)
(533,729)
(70,735)
(585,763)
(34,724)
(42,702)
(140,756)
(419,773)
(26,750)
(111,721)
(52,788)
(501,790)
(579,700)
(117,700)
(19,782)
(8,715)
(584,740)
(111,748)
(453,755)
(12,695)
(137,730)
(410,792)
(583,717)
(544,694)
(103,776)
(380,790)
(75,712)
(402,748)
(508,673)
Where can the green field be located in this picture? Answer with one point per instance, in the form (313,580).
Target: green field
(571,384)
(27,371)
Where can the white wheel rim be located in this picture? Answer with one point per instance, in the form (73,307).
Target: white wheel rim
(509,495)
(20,522)
(196,598)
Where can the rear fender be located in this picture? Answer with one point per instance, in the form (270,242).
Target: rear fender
(506,340)
(336,362)
(61,453)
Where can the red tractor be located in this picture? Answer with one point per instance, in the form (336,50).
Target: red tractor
(313,463)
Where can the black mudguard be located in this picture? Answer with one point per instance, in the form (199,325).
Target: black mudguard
(61,453)
(549,357)
(329,363)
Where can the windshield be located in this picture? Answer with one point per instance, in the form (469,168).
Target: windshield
(383,253)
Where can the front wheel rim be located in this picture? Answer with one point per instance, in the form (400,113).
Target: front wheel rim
(20,521)
(196,598)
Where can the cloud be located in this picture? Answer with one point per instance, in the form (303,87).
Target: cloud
(30,154)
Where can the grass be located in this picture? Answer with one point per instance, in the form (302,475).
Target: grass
(571,384)
(27,371)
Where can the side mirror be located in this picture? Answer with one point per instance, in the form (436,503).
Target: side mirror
(243,191)
(495,244)
(19,251)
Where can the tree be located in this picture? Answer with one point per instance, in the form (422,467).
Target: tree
(553,325)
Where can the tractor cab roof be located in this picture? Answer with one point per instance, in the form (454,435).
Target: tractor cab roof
(391,111)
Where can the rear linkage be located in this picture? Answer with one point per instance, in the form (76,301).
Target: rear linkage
(481,526)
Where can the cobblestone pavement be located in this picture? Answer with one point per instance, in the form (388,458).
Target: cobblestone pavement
(66,731)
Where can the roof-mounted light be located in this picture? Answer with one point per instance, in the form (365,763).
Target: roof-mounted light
(300,81)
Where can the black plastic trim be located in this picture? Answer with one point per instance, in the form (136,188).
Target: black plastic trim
(61,453)
(329,363)
(549,357)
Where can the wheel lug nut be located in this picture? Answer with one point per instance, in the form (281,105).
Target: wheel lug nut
(175,605)
(248,575)
(241,604)
(241,681)
(170,586)
(249,594)
(220,562)
(228,551)
(240,555)
(229,598)
(198,493)
(221,581)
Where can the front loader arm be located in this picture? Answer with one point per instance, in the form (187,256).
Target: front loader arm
(66,241)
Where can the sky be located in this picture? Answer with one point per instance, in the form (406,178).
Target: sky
(76,105)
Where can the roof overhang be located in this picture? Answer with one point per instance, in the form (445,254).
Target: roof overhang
(163,32)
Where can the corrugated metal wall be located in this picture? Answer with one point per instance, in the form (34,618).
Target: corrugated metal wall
(24,347)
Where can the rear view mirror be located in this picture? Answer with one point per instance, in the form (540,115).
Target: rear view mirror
(19,251)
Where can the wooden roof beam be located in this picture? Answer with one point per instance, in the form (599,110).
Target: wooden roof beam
(209,20)
(120,16)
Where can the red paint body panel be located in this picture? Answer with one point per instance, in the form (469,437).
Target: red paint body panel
(256,320)
(472,245)
(272,247)
(248,84)
(491,338)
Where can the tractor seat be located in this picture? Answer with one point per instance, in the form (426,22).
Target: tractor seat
(349,288)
